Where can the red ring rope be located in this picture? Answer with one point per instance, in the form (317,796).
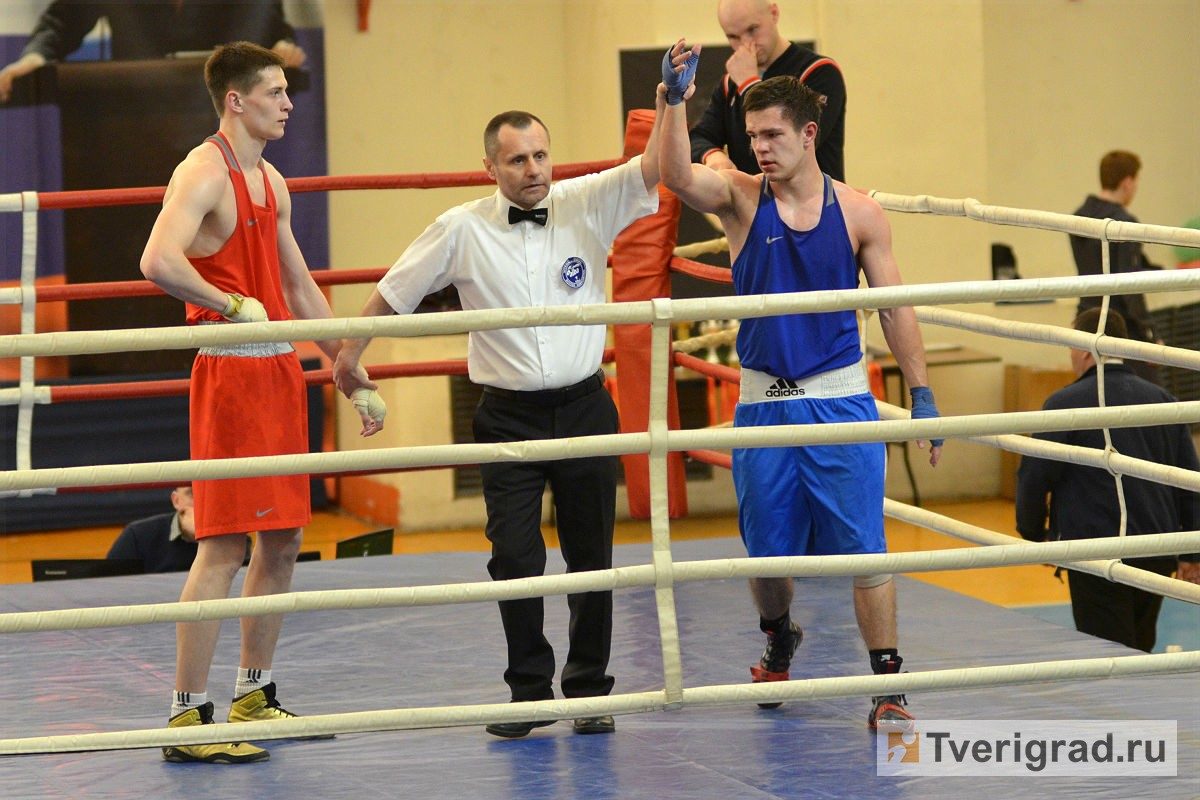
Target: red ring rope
(87,198)
(314,377)
(109,289)
(704,271)
(718,371)
(714,457)
(179,386)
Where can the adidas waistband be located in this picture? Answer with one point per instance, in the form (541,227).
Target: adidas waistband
(759,387)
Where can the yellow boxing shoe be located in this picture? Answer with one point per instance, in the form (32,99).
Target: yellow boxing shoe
(261,704)
(221,753)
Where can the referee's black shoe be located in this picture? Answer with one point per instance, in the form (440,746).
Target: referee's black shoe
(515,730)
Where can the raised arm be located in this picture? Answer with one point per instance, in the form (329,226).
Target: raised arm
(699,187)
(650,166)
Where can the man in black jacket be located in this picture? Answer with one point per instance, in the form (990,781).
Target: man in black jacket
(164,542)
(1083,500)
(759,52)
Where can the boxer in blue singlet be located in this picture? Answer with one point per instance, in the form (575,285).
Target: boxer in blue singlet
(799,369)
(793,229)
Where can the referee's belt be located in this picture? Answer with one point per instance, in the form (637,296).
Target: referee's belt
(551,397)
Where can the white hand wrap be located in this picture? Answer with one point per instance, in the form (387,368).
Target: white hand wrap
(244,309)
(368,402)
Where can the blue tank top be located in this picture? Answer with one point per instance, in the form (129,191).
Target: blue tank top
(777,259)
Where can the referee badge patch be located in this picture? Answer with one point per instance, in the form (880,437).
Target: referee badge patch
(574,272)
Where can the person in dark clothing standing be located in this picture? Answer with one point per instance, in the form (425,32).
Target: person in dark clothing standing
(1118,186)
(164,542)
(153,29)
(1083,500)
(759,52)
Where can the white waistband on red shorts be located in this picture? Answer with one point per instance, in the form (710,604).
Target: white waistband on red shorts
(760,387)
(252,350)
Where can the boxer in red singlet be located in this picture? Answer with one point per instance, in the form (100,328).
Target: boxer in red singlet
(223,244)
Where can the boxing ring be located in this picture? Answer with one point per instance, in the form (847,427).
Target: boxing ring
(87,673)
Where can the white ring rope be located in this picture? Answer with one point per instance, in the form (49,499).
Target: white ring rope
(1109,229)
(184,336)
(12,201)
(710,247)
(706,341)
(1113,569)
(641,702)
(613,444)
(11,396)
(1098,345)
(1072,454)
(1012,551)
(1050,334)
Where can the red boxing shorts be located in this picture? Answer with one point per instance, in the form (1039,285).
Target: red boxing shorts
(250,402)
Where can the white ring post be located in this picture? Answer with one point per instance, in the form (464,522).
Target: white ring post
(660,523)
(29,229)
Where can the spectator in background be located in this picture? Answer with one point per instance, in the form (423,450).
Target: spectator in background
(1082,500)
(142,29)
(759,52)
(1118,186)
(164,542)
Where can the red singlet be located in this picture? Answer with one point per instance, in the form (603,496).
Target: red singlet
(248,400)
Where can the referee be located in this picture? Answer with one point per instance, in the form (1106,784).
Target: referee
(531,243)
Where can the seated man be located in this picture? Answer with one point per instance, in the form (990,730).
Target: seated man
(164,542)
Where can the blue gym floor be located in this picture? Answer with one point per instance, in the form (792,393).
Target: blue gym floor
(328,662)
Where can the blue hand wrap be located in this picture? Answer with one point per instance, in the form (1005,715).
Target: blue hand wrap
(678,82)
(923,407)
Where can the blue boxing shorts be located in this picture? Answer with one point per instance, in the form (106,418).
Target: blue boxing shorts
(817,499)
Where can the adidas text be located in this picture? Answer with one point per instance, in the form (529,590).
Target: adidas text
(784,388)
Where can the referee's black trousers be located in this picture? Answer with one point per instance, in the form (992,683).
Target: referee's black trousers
(1117,612)
(584,491)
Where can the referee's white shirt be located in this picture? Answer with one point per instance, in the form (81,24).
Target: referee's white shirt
(494,264)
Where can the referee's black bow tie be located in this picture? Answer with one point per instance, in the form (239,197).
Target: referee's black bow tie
(538,215)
